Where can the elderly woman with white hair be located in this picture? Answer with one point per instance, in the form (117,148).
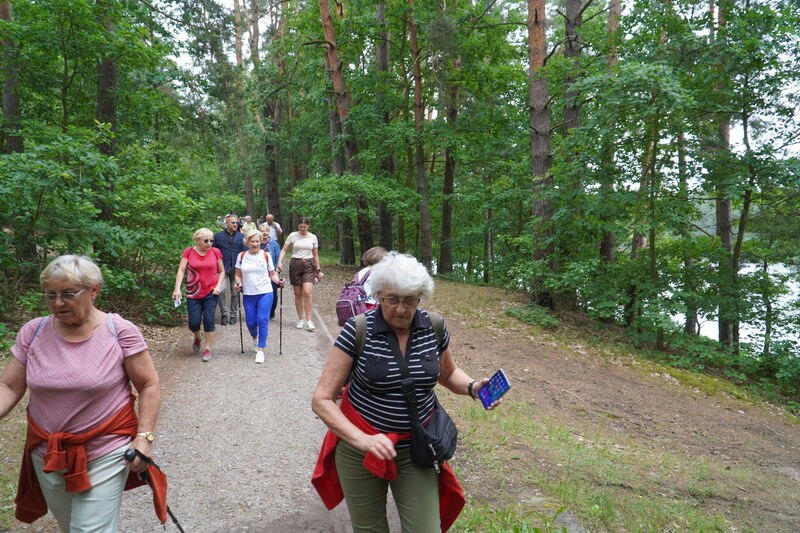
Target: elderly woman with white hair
(367,449)
(79,363)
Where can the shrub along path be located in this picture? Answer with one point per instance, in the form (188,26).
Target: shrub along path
(622,443)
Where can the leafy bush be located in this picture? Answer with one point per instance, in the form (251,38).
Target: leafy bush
(534,314)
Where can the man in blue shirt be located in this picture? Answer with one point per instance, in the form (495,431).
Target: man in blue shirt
(230,242)
(273,248)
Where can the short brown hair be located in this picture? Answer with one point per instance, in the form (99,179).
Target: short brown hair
(373,255)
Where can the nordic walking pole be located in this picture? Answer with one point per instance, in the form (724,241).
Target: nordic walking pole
(280,323)
(130,455)
(241,339)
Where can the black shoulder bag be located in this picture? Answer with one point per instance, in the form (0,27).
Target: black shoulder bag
(435,442)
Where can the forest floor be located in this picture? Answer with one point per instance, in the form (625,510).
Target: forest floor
(587,425)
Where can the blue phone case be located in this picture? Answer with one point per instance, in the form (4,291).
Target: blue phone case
(492,391)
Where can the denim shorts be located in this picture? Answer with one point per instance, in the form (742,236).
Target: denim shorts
(202,310)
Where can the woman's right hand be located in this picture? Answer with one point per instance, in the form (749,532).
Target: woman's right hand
(379,445)
(176,294)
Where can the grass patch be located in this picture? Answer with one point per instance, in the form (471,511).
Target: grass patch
(611,484)
(12,438)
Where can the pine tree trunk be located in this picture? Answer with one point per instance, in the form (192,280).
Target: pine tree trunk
(608,243)
(426,254)
(11,140)
(541,147)
(106,111)
(343,109)
(448,187)
(387,165)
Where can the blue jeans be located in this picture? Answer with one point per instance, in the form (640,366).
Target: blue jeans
(202,309)
(257,309)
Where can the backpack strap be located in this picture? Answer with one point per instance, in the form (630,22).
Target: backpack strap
(241,256)
(361,330)
(361,333)
(113,329)
(39,327)
(362,280)
(438,326)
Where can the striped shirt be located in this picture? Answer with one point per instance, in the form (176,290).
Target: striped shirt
(375,390)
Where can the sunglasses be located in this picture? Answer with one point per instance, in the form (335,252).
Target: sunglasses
(207,240)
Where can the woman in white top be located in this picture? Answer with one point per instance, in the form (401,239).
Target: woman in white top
(254,274)
(370,258)
(304,270)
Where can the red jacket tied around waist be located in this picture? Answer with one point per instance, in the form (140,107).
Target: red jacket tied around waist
(67,451)
(326,480)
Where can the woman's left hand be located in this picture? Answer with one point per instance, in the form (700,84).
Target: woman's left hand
(320,275)
(478,386)
(144,446)
(216,292)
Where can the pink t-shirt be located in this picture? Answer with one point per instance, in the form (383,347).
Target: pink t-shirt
(75,386)
(201,272)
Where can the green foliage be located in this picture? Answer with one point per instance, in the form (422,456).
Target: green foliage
(534,314)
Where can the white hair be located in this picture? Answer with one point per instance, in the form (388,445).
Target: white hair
(401,273)
(78,269)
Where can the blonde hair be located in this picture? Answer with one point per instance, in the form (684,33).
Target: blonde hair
(250,233)
(78,269)
(199,234)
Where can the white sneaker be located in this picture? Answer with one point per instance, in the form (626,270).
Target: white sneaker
(259,357)
(300,324)
(310,326)
(255,344)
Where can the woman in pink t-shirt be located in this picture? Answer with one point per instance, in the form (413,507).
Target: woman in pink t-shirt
(79,364)
(205,274)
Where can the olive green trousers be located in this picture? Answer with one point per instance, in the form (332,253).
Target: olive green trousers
(415,490)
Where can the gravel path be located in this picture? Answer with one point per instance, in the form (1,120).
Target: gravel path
(238,440)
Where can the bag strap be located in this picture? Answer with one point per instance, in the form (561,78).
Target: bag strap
(361,333)
(113,329)
(438,326)
(407,383)
(362,280)
(361,330)
(39,327)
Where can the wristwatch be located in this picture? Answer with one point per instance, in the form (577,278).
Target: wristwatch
(148,436)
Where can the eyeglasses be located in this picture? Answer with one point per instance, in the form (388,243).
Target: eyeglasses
(394,301)
(207,240)
(67,296)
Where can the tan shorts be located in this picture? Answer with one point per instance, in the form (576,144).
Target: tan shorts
(302,271)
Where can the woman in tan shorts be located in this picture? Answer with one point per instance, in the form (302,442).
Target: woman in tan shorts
(304,270)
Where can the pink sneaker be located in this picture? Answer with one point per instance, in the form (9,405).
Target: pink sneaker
(196,346)
(206,356)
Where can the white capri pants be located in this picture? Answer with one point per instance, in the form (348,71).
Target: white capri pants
(95,510)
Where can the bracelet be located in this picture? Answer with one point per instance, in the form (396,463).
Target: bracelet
(469,389)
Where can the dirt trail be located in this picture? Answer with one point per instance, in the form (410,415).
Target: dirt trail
(238,440)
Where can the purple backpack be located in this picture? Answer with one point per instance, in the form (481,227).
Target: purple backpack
(352,299)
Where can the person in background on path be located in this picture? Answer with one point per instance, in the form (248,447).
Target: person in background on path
(274,250)
(255,278)
(230,242)
(204,281)
(275,230)
(370,258)
(373,416)
(79,364)
(304,270)
(248,224)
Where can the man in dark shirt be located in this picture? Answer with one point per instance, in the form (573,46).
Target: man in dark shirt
(231,243)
